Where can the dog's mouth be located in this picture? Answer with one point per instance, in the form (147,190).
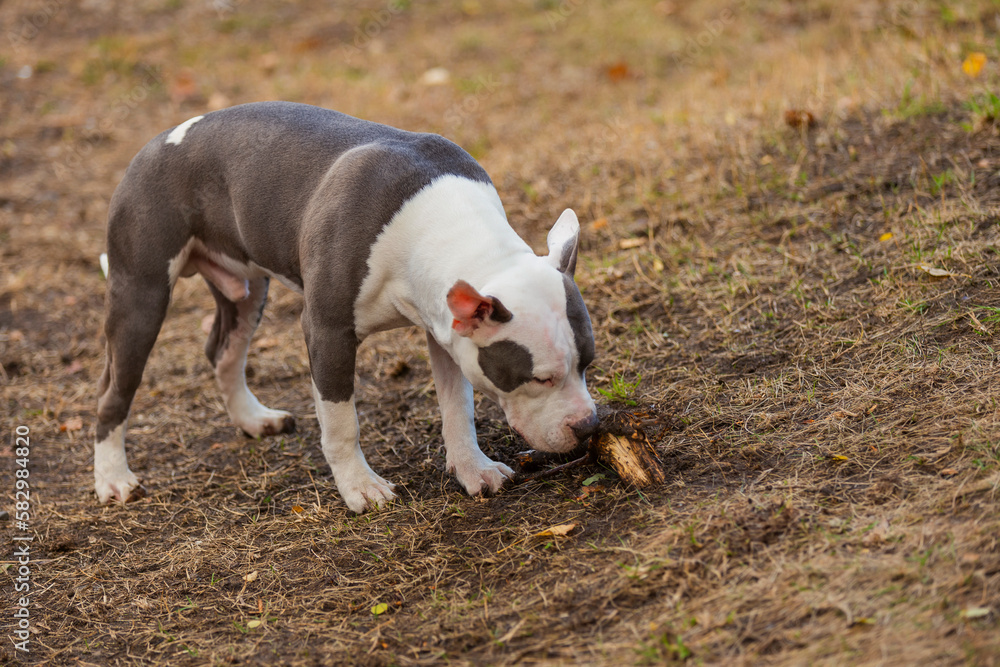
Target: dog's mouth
(544,445)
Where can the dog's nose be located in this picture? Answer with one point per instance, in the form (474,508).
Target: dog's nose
(585,428)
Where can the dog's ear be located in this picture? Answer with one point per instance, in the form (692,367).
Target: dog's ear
(562,241)
(471,309)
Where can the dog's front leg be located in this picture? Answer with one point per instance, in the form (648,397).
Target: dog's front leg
(332,353)
(474,470)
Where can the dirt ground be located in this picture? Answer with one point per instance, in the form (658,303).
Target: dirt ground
(789,253)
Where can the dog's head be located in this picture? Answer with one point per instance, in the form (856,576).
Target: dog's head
(526,341)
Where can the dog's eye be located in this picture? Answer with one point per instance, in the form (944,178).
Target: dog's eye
(547,382)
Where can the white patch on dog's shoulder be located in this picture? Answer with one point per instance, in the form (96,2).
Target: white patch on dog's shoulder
(414,263)
(177,134)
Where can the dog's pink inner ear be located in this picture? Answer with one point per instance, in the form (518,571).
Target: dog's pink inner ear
(469,307)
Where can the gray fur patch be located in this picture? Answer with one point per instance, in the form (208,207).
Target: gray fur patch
(286,187)
(567,262)
(579,322)
(507,364)
(500,313)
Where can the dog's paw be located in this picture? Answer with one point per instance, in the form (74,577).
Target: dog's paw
(365,490)
(480,473)
(122,487)
(263,421)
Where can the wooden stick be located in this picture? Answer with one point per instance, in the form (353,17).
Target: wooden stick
(552,472)
(619,444)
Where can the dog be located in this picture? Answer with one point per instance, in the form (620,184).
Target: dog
(377,228)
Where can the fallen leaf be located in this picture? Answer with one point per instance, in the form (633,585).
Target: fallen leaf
(297,509)
(885,237)
(935,272)
(800,118)
(589,490)
(976,612)
(618,71)
(839,457)
(949,472)
(380,608)
(973,63)
(255,623)
(251,577)
(556,531)
(72,424)
(594,478)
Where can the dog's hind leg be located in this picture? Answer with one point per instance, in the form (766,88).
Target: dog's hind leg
(135,308)
(235,323)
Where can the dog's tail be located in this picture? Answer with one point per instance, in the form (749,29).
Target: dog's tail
(104,264)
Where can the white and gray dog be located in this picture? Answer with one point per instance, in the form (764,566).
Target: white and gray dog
(377,228)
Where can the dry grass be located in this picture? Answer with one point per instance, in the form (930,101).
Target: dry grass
(828,413)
